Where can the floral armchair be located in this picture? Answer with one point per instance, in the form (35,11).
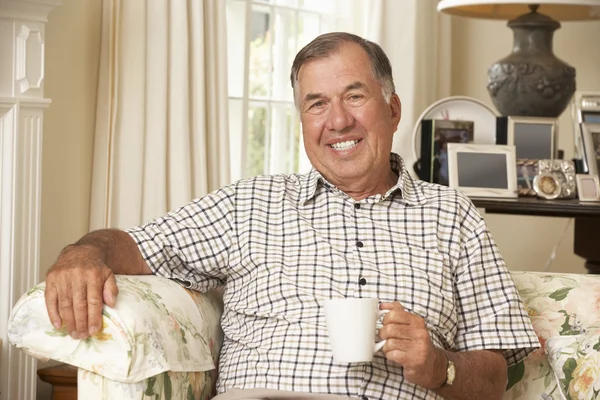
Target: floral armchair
(162,341)
(565,312)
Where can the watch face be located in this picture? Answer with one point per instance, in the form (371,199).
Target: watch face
(450,373)
(546,186)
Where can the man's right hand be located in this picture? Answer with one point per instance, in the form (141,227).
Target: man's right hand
(77,286)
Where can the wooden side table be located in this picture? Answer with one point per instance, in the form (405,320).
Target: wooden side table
(63,379)
(586,215)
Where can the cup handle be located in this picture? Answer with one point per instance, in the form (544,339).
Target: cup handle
(379,345)
(380,313)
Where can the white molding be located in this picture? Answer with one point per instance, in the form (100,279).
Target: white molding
(20,152)
(29,58)
(22,24)
(32,10)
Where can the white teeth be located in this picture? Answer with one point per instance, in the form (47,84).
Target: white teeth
(345,145)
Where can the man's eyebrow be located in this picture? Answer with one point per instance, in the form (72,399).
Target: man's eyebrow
(355,85)
(352,86)
(312,96)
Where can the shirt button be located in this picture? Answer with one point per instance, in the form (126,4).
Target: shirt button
(357,205)
(359,244)
(362,282)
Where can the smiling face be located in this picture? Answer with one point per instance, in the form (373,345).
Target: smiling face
(346,123)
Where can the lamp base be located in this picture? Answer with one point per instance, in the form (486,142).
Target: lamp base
(531,81)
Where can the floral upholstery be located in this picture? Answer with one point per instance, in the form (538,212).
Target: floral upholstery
(575,361)
(165,386)
(561,306)
(156,333)
(564,309)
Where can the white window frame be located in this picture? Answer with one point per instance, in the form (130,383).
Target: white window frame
(279,148)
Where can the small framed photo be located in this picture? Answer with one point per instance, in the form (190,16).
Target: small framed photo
(435,136)
(591,146)
(483,170)
(526,172)
(563,171)
(533,137)
(588,187)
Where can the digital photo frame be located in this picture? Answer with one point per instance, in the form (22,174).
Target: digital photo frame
(533,137)
(483,170)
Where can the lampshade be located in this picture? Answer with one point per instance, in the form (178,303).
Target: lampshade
(531,81)
(559,10)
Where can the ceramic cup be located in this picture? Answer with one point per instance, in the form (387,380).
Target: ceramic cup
(351,324)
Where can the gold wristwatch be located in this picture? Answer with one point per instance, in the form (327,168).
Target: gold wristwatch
(450,372)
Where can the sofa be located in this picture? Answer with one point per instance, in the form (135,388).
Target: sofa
(162,341)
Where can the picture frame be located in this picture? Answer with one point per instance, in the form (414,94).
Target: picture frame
(459,108)
(585,107)
(534,137)
(591,147)
(588,187)
(483,170)
(563,172)
(526,172)
(435,135)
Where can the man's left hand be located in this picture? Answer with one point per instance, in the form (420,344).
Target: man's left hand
(409,344)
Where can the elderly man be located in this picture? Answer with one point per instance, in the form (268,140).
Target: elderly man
(356,225)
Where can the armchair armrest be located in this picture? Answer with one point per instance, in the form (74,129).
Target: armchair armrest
(155,326)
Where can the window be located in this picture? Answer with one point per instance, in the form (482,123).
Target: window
(263,38)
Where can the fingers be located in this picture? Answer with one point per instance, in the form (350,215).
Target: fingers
(80,305)
(75,293)
(65,306)
(110,291)
(80,309)
(398,315)
(51,297)
(94,307)
(391,306)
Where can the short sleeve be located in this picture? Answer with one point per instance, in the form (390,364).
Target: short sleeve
(491,315)
(191,244)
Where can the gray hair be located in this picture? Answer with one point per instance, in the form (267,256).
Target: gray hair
(326,44)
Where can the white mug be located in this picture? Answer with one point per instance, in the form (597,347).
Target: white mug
(351,324)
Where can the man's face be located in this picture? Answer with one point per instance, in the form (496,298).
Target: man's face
(347,124)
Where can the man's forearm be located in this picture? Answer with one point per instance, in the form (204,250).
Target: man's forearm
(114,247)
(480,374)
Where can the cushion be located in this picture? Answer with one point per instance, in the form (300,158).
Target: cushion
(575,361)
(559,304)
(155,326)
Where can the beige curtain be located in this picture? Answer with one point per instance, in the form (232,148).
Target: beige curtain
(161,124)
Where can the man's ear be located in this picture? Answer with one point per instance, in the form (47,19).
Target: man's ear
(396,108)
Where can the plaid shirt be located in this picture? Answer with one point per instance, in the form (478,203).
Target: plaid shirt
(283,243)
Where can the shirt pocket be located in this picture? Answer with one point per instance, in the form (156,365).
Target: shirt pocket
(422,281)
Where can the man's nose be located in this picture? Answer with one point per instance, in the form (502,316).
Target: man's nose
(338,117)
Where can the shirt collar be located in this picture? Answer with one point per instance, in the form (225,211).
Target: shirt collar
(411,192)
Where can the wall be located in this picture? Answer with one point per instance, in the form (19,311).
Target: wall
(526,242)
(72,54)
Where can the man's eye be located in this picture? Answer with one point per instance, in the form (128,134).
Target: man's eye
(317,104)
(355,99)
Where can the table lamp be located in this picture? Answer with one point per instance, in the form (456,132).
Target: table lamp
(531,81)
